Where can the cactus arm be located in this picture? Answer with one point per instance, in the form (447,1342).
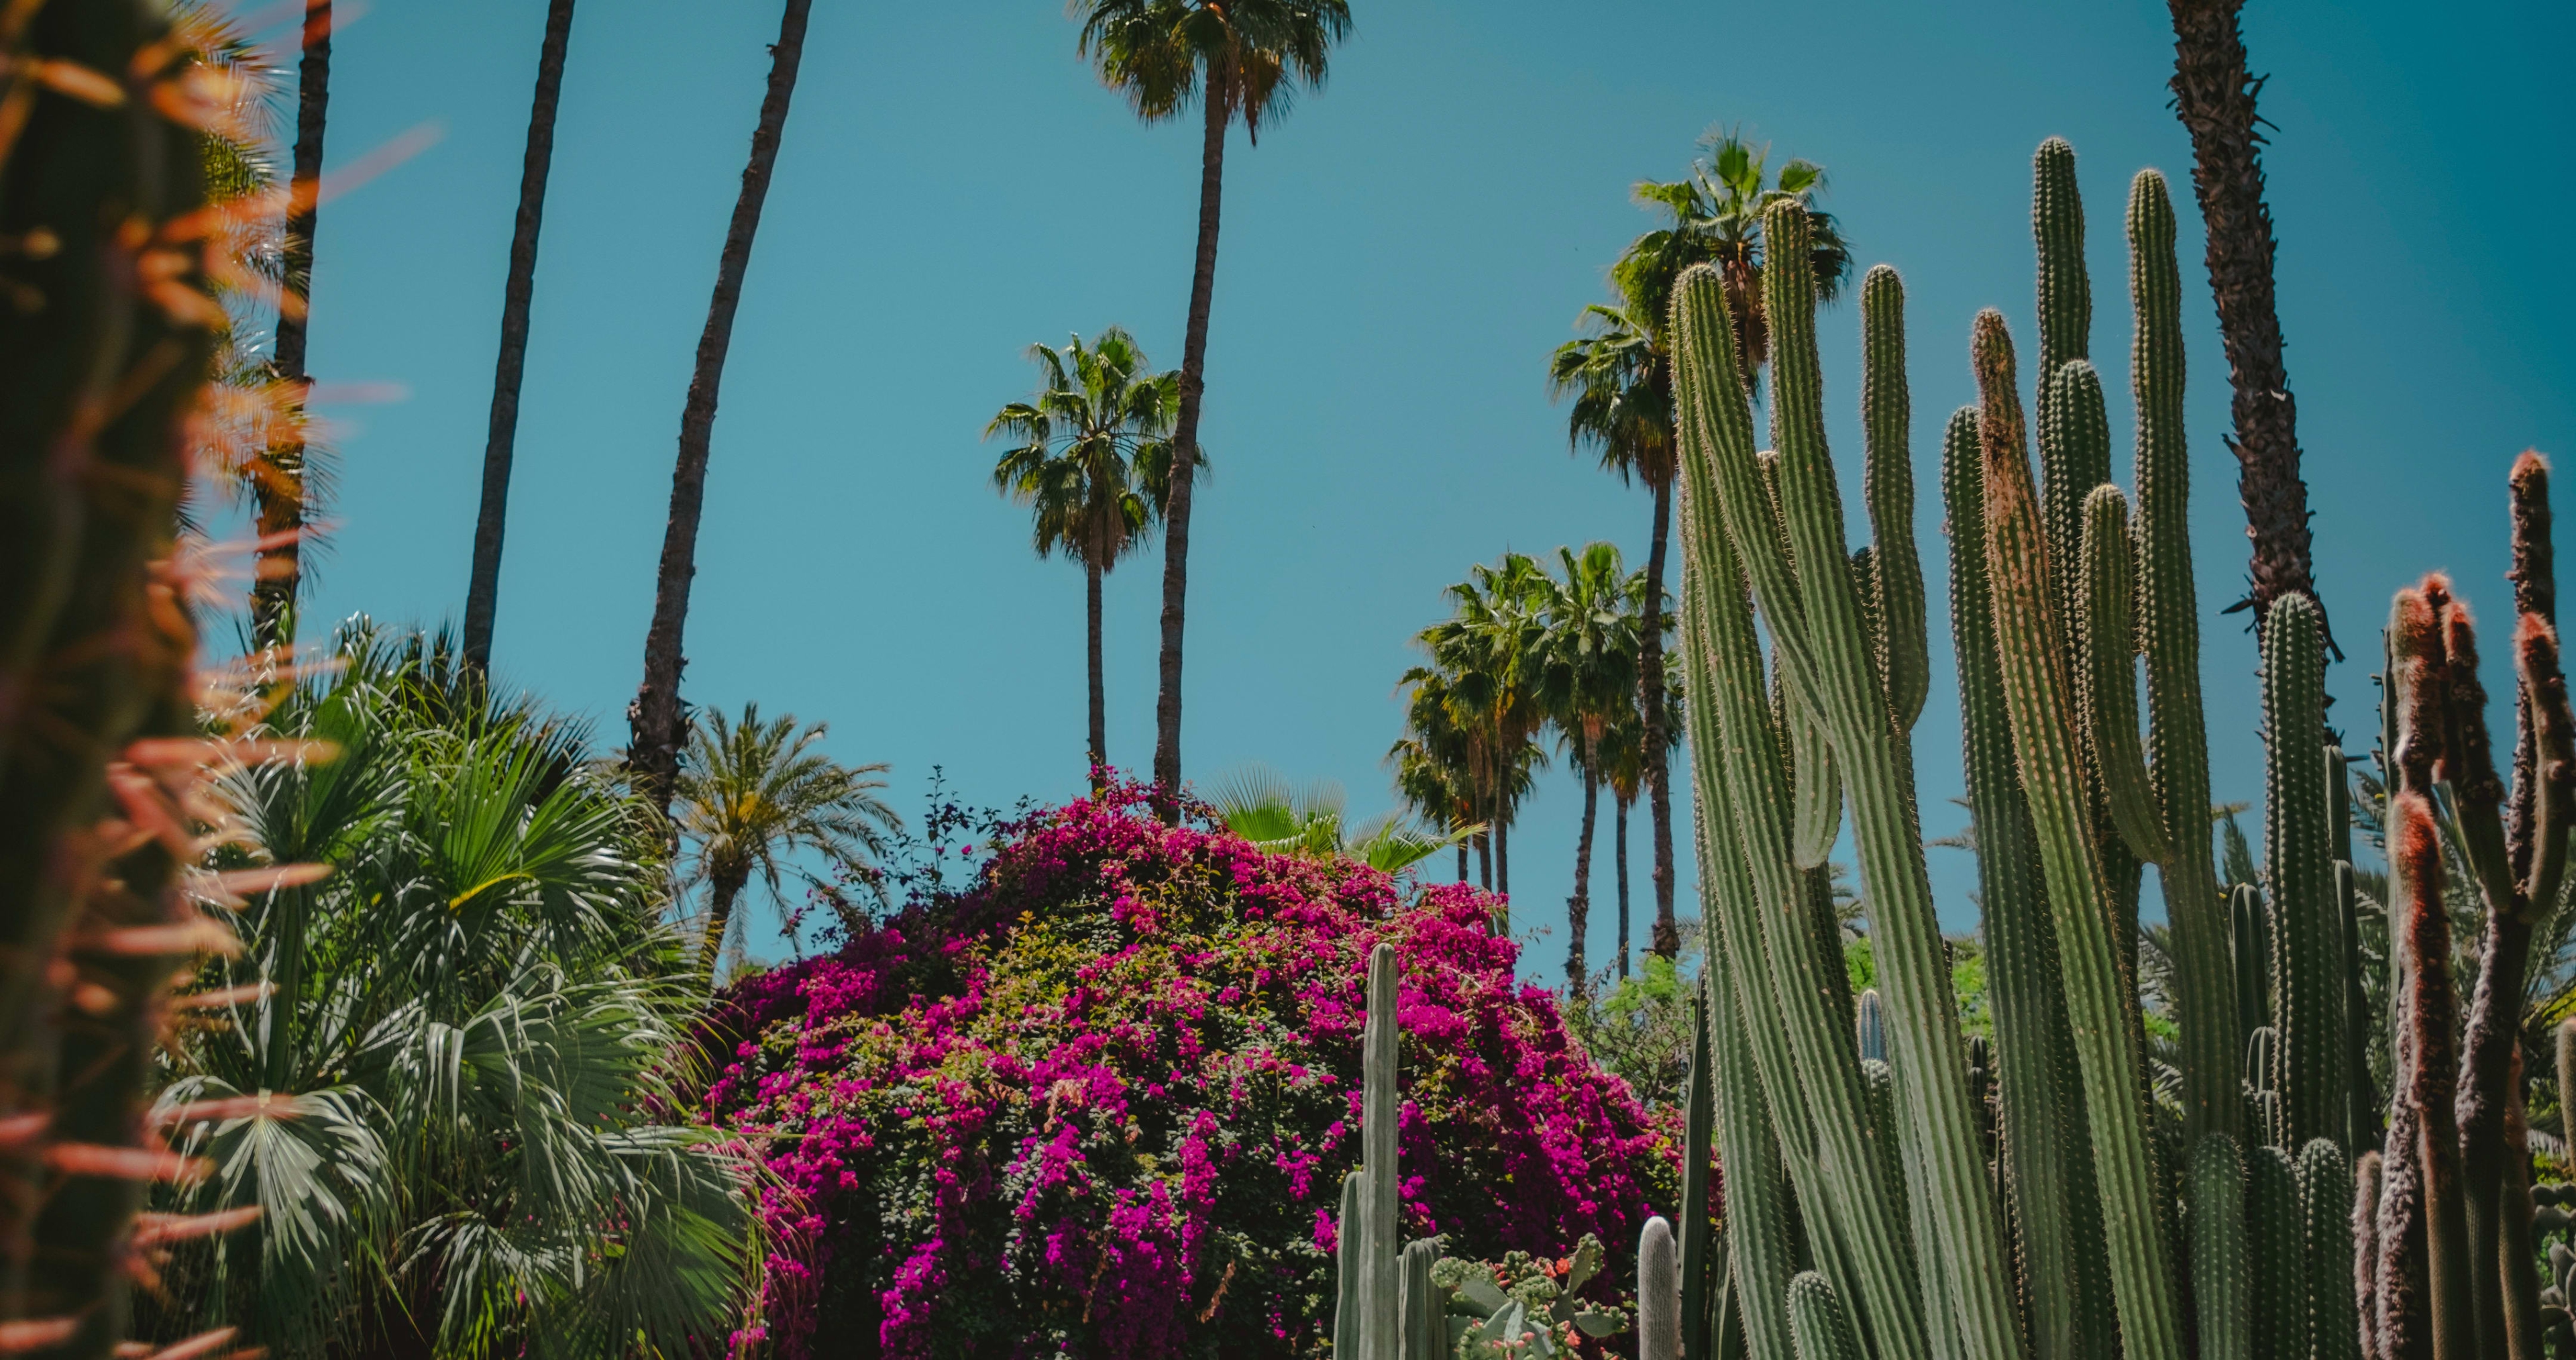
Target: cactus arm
(1698,1098)
(1738,769)
(2213,1035)
(1816,1313)
(2325,1199)
(1887,480)
(2307,970)
(1425,1332)
(2515,1233)
(2220,1265)
(2074,430)
(2361,1099)
(2365,1251)
(2065,287)
(2432,1015)
(1757,1196)
(1824,654)
(2036,690)
(1380,1271)
(2110,665)
(2276,1243)
(2042,1108)
(1815,789)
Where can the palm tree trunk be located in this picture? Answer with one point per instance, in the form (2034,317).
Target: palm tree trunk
(1650,652)
(1462,860)
(1099,696)
(723,890)
(1502,858)
(484,586)
(653,749)
(280,489)
(1485,858)
(1623,887)
(1185,450)
(1578,908)
(2214,97)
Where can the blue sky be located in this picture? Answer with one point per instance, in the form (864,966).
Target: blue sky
(1399,256)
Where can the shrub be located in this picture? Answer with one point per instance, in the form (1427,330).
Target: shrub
(1100,1101)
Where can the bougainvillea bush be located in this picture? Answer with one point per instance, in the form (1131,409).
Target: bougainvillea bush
(1100,1101)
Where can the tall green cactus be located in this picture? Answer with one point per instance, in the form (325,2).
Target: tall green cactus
(2277,1244)
(2325,1199)
(1758,1198)
(2109,682)
(1887,480)
(1368,1319)
(2213,1036)
(1821,641)
(2221,1262)
(2040,703)
(1659,1294)
(2047,1151)
(1698,1115)
(2308,971)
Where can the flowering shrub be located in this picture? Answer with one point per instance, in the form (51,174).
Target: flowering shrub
(1100,1102)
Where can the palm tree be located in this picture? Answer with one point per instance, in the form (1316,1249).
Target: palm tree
(482,590)
(2214,97)
(434,1081)
(1483,670)
(752,793)
(1587,666)
(1434,767)
(1257,803)
(282,491)
(1094,460)
(1621,386)
(655,721)
(1238,59)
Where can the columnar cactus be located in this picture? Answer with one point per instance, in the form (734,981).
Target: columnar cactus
(1698,1117)
(103,352)
(2276,1241)
(2325,1201)
(1368,1321)
(1659,1293)
(2221,1262)
(1824,1331)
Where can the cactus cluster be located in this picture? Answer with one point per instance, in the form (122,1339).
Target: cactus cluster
(1872,1207)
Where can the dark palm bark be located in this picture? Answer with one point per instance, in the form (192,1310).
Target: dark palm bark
(1099,695)
(1185,450)
(1623,887)
(1485,859)
(654,719)
(1462,861)
(1503,860)
(2214,96)
(1578,908)
(280,491)
(724,888)
(483,588)
(1650,654)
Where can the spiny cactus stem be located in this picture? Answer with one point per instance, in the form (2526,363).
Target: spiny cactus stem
(1888,480)
(2307,965)
(1380,1269)
(2432,1014)
(1828,656)
(2039,699)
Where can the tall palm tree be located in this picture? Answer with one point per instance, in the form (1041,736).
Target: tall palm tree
(1093,459)
(753,793)
(1586,677)
(2214,97)
(483,588)
(282,491)
(656,724)
(1431,778)
(1620,383)
(1238,59)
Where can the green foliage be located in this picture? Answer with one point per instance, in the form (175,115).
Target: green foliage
(438,1073)
(1092,451)
(752,793)
(1522,1306)
(1257,803)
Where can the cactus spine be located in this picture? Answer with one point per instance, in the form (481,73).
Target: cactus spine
(2169,635)
(2081,896)
(1824,1333)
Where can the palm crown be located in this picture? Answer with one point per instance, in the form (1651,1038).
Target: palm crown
(1248,54)
(1092,453)
(754,792)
